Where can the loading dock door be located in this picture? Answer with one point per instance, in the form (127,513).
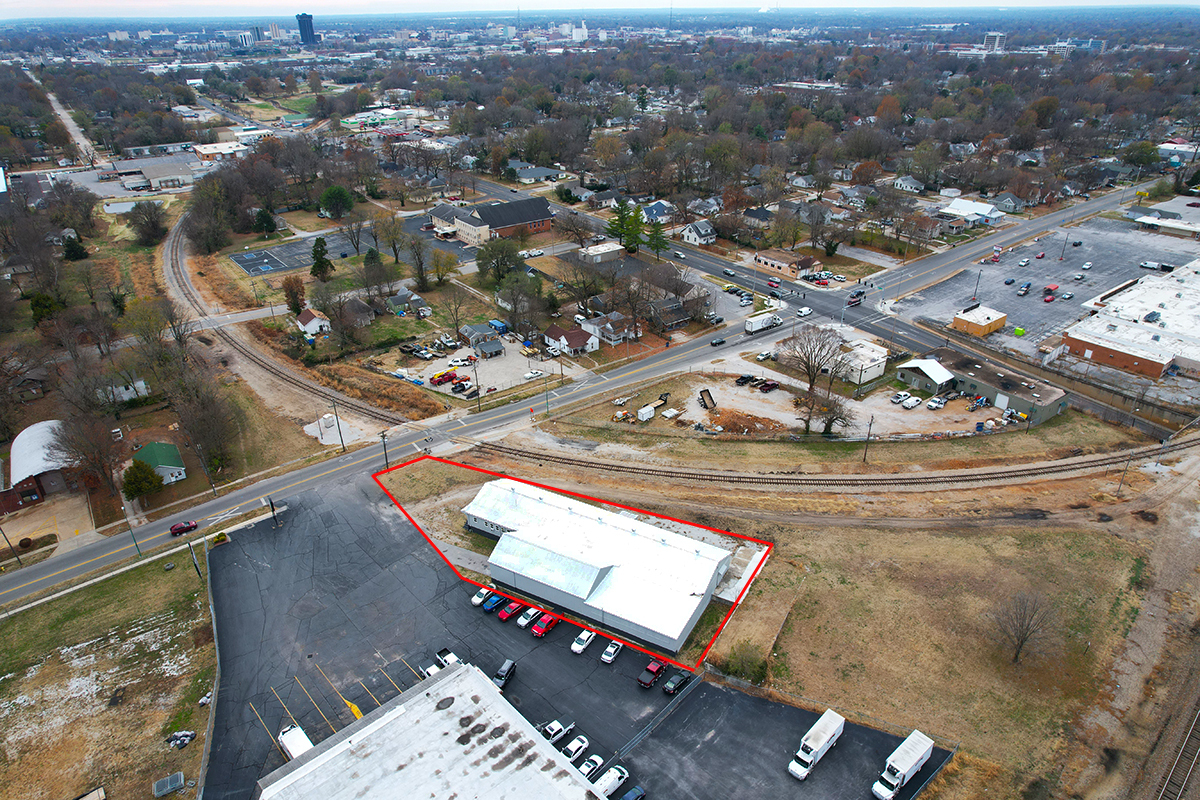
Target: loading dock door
(1001,401)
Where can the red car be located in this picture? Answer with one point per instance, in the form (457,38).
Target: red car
(822,282)
(773,284)
(1040,255)
(652,673)
(1048,298)
(510,610)
(544,625)
(184,527)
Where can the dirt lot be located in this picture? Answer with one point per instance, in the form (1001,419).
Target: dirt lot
(92,684)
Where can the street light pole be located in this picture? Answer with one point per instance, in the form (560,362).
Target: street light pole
(129,524)
(10,547)
(975,294)
(867,446)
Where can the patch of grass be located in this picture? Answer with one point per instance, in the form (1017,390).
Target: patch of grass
(187,710)
(1137,574)
(706,628)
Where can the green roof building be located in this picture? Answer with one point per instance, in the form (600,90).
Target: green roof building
(165,459)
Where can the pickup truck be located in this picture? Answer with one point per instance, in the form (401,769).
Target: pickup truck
(652,673)
(445,657)
(557,729)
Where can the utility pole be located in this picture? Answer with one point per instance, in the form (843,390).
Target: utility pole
(204,466)
(975,294)
(383,438)
(129,524)
(868,444)
(337,421)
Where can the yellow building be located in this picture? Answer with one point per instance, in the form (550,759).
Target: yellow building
(979,320)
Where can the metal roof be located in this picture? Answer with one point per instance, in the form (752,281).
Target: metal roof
(31,451)
(618,566)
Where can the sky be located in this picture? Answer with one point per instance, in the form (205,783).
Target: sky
(160,9)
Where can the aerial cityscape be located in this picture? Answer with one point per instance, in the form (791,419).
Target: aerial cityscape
(684,403)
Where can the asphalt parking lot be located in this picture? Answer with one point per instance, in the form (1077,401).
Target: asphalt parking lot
(296,253)
(1114,247)
(347,593)
(736,745)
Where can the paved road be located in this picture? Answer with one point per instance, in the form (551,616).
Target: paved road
(81,142)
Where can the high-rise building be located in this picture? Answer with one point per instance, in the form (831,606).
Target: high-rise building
(306,29)
(257,32)
(275,34)
(993,42)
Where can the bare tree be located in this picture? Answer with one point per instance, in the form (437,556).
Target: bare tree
(575,227)
(388,232)
(813,350)
(833,410)
(179,324)
(1023,621)
(86,441)
(418,254)
(456,301)
(582,280)
(352,227)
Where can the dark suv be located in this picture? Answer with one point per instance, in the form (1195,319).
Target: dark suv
(505,673)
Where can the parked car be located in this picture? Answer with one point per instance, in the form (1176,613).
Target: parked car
(611,652)
(527,618)
(911,402)
(636,793)
(677,682)
(575,748)
(428,226)
(935,403)
(1076,244)
(651,673)
(461,362)
(544,625)
(472,394)
(746,301)
(821,282)
(764,355)
(1048,298)
(533,373)
(1009,281)
(1086,265)
(1066,295)
(774,293)
(769,386)
(480,596)
(505,673)
(493,602)
(840,278)
(900,397)
(717,342)
(511,610)
(1040,255)
(582,641)
(1024,290)
(590,765)
(803,311)
(742,381)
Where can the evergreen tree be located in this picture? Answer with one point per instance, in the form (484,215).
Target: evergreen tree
(140,480)
(616,225)
(656,238)
(635,228)
(264,221)
(321,266)
(73,249)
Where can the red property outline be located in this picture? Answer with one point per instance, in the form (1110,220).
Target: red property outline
(650,653)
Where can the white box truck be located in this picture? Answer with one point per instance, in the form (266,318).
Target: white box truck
(816,743)
(902,765)
(294,741)
(764,320)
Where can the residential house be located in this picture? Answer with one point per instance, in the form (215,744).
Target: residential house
(612,328)
(165,459)
(1008,202)
(907,183)
(974,213)
(669,314)
(699,232)
(490,348)
(123,393)
(856,196)
(841,175)
(516,165)
(400,301)
(313,322)
(962,151)
(357,314)
(606,199)
(475,334)
(658,211)
(530,175)
(759,218)
(575,341)
(804,182)
(951,224)
(29,386)
(705,207)
(1134,212)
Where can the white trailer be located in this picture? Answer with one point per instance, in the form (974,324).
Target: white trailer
(905,762)
(294,741)
(763,320)
(816,743)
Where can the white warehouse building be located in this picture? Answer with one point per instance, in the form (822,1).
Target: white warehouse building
(625,575)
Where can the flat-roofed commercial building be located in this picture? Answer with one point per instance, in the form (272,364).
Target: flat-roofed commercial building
(637,579)
(451,735)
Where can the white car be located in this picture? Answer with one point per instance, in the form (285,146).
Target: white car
(582,641)
(900,397)
(592,764)
(764,355)
(459,362)
(526,619)
(523,254)
(576,748)
(803,312)
(1024,262)
(678,254)
(535,253)
(611,652)
(935,403)
(746,301)
(1087,265)
(533,373)
(840,278)
(480,596)
(911,402)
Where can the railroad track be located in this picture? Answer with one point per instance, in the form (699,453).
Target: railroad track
(1176,779)
(175,260)
(884,481)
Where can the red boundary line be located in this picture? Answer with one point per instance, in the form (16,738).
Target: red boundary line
(650,653)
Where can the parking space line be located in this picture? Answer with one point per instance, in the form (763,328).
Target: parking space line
(314,702)
(270,735)
(286,710)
